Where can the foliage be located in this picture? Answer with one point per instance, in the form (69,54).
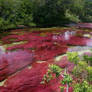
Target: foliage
(15,12)
(89,69)
(47,77)
(6,24)
(43,13)
(62,88)
(7,14)
(88,11)
(24,13)
(73,57)
(82,87)
(88,59)
(50,14)
(72,17)
(67,79)
(80,69)
(53,71)
(82,64)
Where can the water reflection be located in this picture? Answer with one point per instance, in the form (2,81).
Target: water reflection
(74,38)
(64,36)
(68,34)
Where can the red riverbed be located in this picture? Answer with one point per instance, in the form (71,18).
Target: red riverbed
(38,46)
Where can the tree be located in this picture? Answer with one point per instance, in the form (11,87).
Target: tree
(88,11)
(7,14)
(50,14)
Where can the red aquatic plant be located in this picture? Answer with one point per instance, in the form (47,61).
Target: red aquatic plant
(41,47)
(11,62)
(30,80)
(80,41)
(50,52)
(64,63)
(84,25)
(27,78)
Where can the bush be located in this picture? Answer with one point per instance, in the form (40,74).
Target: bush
(82,87)
(43,13)
(6,24)
(7,14)
(24,13)
(15,12)
(73,57)
(72,17)
(89,70)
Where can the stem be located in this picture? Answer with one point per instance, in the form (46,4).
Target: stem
(65,70)
(89,63)
(67,83)
(67,88)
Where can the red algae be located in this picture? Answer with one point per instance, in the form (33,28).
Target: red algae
(64,63)
(39,47)
(27,79)
(34,40)
(11,62)
(80,41)
(84,25)
(31,82)
(50,51)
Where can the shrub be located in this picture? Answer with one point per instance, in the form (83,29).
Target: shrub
(55,69)
(80,69)
(89,70)
(73,57)
(53,72)
(72,17)
(7,14)
(15,12)
(88,57)
(67,79)
(82,87)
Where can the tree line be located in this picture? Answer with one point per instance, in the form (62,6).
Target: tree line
(43,13)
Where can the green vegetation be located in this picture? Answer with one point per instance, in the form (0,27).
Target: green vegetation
(82,71)
(88,59)
(89,70)
(53,71)
(79,78)
(66,80)
(47,77)
(73,57)
(43,13)
(82,87)
(82,68)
